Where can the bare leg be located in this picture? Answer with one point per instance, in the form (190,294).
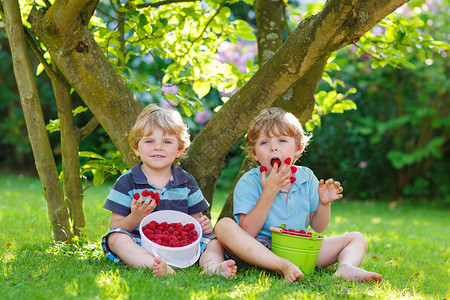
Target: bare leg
(348,251)
(246,247)
(212,261)
(135,256)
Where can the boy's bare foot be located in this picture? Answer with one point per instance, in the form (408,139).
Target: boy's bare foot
(291,272)
(226,269)
(358,274)
(160,268)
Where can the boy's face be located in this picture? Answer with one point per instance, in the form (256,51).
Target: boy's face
(275,148)
(158,151)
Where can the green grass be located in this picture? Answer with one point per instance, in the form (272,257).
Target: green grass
(408,245)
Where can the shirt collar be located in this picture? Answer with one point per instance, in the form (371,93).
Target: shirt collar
(178,176)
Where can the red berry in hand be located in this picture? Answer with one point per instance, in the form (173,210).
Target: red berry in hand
(263,169)
(156,197)
(293,169)
(136,196)
(287,161)
(144,193)
(292,179)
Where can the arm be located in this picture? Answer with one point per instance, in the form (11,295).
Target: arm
(255,219)
(139,210)
(329,191)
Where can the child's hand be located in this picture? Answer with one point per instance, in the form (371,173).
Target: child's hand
(141,209)
(277,179)
(205,223)
(329,191)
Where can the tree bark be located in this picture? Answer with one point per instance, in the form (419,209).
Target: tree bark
(70,145)
(43,154)
(81,61)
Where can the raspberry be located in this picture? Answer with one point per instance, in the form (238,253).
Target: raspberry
(263,169)
(292,179)
(168,235)
(293,169)
(287,161)
(151,193)
(275,160)
(156,197)
(136,196)
(144,193)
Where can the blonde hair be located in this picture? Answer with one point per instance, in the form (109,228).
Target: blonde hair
(168,120)
(275,121)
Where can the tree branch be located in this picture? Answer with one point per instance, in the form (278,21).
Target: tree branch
(37,51)
(206,26)
(161,3)
(88,128)
(64,15)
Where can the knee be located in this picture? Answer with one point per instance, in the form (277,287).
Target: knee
(113,239)
(224,225)
(357,237)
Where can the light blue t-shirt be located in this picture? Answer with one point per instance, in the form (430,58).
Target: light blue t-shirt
(293,210)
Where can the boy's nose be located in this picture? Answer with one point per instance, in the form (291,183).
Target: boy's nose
(273,148)
(157,146)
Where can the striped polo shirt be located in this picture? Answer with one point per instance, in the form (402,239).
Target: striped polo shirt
(181,193)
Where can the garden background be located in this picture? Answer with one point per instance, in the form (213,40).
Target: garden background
(380,126)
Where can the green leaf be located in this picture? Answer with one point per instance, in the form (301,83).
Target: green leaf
(90,154)
(79,110)
(39,69)
(201,88)
(244,31)
(99,177)
(441,44)
(391,33)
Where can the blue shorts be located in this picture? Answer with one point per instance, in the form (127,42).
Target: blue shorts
(135,235)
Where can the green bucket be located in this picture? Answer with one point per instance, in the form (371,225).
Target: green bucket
(301,251)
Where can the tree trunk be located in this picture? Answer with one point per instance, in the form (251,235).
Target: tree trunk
(43,154)
(70,145)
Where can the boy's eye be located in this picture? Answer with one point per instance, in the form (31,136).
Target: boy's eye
(283,141)
(168,142)
(148,141)
(263,143)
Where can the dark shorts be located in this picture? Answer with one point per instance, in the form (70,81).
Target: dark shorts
(206,238)
(267,242)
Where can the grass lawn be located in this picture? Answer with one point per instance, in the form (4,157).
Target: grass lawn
(408,245)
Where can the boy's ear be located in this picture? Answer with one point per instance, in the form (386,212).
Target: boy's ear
(299,152)
(180,152)
(136,151)
(254,156)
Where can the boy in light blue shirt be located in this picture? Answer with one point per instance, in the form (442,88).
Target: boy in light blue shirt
(278,193)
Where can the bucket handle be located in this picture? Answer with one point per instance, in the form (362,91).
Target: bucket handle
(155,252)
